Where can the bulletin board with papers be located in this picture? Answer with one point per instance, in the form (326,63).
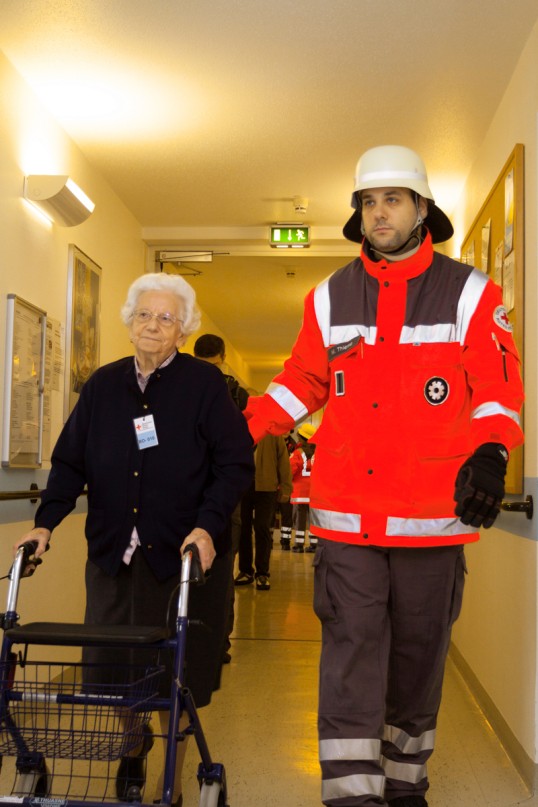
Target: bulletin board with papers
(495,244)
(24,380)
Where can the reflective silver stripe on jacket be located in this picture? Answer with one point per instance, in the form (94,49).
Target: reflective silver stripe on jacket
(412,527)
(451,332)
(493,408)
(360,784)
(337,334)
(404,771)
(407,744)
(421,527)
(287,400)
(421,334)
(332,520)
(322,307)
(344,333)
(349,749)
(468,302)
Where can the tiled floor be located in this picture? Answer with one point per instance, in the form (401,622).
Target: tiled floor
(262,723)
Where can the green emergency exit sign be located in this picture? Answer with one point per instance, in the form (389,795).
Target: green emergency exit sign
(286,236)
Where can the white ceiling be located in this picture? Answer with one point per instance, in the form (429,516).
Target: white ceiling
(213,115)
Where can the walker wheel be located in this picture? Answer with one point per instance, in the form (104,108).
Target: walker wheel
(134,795)
(212,795)
(33,783)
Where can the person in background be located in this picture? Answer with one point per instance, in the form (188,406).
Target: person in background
(411,356)
(291,442)
(284,522)
(211,348)
(302,461)
(284,509)
(272,484)
(165,455)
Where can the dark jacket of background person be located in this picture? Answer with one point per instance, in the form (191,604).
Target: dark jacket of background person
(192,478)
(273,469)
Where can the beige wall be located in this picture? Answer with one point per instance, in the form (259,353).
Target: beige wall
(33,265)
(55,593)
(496,633)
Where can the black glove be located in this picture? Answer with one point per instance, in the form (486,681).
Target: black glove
(480,485)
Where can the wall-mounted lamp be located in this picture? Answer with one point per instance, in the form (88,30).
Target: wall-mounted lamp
(59,198)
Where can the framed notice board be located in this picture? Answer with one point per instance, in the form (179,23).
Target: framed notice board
(495,244)
(23,384)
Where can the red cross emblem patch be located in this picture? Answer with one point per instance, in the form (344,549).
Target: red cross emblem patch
(500,317)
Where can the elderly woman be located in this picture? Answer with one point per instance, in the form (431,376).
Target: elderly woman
(165,455)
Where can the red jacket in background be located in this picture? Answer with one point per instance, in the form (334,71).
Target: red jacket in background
(301,469)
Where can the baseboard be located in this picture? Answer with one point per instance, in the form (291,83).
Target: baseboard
(526,767)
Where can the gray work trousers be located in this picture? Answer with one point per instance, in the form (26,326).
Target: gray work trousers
(386,616)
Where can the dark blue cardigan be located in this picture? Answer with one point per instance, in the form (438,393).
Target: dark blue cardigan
(193,478)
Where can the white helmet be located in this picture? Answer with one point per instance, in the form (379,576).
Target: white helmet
(392,167)
(395,167)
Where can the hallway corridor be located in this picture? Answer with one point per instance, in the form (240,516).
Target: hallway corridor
(262,723)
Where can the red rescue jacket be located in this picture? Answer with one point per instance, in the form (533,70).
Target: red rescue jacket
(301,470)
(416,365)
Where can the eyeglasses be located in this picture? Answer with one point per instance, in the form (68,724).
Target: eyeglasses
(144,317)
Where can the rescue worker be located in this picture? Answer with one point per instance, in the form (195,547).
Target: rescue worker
(284,523)
(301,461)
(285,508)
(411,354)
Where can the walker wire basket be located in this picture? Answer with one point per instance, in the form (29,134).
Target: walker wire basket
(75,711)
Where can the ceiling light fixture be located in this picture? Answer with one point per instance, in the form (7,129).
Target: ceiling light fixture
(59,198)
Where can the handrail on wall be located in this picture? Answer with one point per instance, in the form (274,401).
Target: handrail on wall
(33,494)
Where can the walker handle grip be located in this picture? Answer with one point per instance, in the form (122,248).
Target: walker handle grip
(197,575)
(30,563)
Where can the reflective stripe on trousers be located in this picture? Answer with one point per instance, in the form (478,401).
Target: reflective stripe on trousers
(367,784)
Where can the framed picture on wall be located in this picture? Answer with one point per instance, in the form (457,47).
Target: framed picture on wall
(82,324)
(24,384)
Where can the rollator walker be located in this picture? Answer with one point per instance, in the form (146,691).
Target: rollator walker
(65,725)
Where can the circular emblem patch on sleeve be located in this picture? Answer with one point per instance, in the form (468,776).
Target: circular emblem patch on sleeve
(436,390)
(500,317)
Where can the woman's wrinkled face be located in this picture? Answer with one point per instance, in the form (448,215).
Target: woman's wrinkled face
(156,327)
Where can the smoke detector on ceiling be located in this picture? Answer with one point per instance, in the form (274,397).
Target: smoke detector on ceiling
(300,204)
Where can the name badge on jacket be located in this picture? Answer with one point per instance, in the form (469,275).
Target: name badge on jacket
(146,434)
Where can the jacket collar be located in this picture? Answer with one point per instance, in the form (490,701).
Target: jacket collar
(398,270)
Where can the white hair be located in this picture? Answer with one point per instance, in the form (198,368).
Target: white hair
(160,281)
